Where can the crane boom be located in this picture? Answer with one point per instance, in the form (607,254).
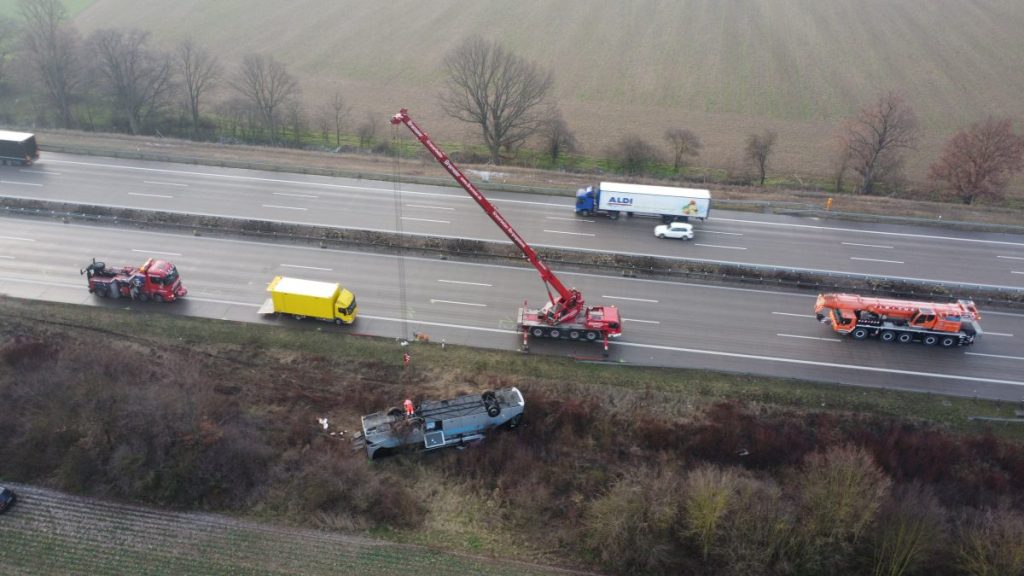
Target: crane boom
(569,302)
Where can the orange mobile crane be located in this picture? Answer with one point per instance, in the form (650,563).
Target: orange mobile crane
(900,320)
(564,317)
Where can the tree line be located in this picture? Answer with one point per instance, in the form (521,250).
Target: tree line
(113,80)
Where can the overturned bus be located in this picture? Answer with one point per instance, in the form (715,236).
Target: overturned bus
(438,424)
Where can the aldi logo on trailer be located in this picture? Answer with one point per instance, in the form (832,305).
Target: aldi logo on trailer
(620,201)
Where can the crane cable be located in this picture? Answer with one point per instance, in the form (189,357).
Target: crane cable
(396,143)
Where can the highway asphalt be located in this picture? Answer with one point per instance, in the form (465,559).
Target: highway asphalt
(917,252)
(665,323)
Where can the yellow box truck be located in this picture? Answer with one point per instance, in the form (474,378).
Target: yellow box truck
(310,299)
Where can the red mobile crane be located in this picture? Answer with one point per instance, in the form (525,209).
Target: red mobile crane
(565,317)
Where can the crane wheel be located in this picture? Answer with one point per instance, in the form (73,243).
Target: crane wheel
(948,341)
(555,333)
(590,335)
(888,336)
(537,332)
(930,340)
(574,334)
(905,338)
(859,333)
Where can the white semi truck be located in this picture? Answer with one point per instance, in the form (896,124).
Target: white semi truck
(671,204)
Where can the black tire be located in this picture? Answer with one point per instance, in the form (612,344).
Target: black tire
(905,338)
(859,333)
(574,334)
(338,321)
(947,341)
(114,290)
(930,340)
(887,336)
(555,333)
(493,410)
(537,332)
(660,236)
(158,298)
(394,411)
(590,335)
(514,422)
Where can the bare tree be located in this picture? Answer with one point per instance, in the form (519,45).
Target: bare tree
(876,139)
(500,92)
(267,84)
(759,150)
(297,121)
(684,143)
(367,131)
(52,47)
(340,111)
(635,155)
(977,163)
(991,542)
(558,139)
(8,31)
(139,80)
(200,72)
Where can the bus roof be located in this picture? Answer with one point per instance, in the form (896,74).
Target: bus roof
(615,187)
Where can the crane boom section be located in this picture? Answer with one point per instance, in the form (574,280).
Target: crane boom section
(546,274)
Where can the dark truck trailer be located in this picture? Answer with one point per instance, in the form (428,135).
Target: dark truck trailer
(18,148)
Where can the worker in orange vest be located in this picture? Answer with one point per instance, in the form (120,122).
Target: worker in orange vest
(405,359)
(409,409)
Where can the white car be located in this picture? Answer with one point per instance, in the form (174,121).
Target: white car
(680,230)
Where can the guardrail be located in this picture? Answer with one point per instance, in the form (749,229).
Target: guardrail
(628,265)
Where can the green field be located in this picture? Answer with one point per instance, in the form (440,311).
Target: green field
(723,69)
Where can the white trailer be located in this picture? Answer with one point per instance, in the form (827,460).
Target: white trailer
(671,204)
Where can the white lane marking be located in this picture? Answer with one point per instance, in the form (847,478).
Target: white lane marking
(717,246)
(569,219)
(643,321)
(630,299)
(429,207)
(158,183)
(987,333)
(434,301)
(856,367)
(703,231)
(295,195)
(876,232)
(306,267)
(1010,314)
(155,252)
(149,195)
(40,172)
(1016,272)
(16,238)
(1012,257)
(466,283)
(570,233)
(995,356)
(792,314)
(283,207)
(426,220)
(875,260)
(6,257)
(810,337)
(866,245)
(21,183)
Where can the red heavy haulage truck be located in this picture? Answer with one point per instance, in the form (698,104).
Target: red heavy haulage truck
(892,320)
(155,280)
